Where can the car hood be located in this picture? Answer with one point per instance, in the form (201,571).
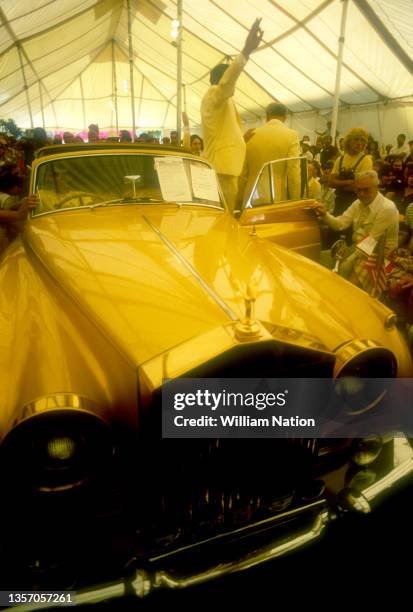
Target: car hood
(152,277)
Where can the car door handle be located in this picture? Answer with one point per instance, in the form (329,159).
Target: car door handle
(310,211)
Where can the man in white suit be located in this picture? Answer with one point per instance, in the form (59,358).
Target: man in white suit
(224,144)
(272,141)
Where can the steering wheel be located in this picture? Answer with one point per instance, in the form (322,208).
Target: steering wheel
(79,199)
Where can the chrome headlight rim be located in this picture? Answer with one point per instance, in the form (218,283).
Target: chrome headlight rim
(355,350)
(356,362)
(58,401)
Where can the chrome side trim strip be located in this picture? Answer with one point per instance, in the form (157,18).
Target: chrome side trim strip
(301,248)
(230,313)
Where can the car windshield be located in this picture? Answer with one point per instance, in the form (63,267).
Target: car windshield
(115,179)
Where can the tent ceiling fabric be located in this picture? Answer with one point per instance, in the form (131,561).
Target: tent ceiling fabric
(64,63)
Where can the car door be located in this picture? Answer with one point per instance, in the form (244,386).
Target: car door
(278,207)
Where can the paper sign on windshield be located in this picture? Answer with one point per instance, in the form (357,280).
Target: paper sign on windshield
(204,182)
(173,179)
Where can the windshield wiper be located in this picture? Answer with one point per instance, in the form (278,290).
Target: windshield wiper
(126,201)
(141,199)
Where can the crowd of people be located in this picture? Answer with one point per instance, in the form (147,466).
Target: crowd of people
(13,184)
(367,199)
(393,164)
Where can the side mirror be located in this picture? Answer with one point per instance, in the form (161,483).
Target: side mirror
(237,213)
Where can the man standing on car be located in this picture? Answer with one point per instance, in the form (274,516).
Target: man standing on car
(272,141)
(223,139)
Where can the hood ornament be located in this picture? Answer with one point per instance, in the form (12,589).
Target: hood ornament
(132,178)
(248,328)
(339,252)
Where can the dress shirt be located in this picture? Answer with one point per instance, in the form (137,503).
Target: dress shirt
(378,217)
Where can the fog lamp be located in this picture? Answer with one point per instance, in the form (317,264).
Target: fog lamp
(61,448)
(367,450)
(357,479)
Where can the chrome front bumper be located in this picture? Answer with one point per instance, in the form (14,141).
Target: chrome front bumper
(144,582)
(317,516)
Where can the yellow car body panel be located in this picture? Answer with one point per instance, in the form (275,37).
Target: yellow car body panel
(289,224)
(84,314)
(114,283)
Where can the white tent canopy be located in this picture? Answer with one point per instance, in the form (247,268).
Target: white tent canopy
(64,63)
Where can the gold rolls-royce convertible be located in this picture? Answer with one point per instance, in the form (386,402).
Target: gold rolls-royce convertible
(129,273)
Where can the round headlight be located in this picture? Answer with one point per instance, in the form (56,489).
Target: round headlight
(57,450)
(367,450)
(359,478)
(61,449)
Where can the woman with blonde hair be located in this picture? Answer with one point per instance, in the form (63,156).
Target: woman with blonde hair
(355,159)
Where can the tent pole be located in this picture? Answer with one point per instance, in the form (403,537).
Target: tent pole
(26,87)
(83,102)
(179,71)
(140,99)
(115,87)
(166,115)
(132,91)
(41,104)
(338,71)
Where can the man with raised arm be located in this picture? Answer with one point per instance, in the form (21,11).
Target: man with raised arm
(224,142)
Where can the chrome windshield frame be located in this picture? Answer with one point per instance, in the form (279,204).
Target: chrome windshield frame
(248,202)
(45,160)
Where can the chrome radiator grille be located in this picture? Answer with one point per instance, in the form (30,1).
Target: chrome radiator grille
(202,488)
